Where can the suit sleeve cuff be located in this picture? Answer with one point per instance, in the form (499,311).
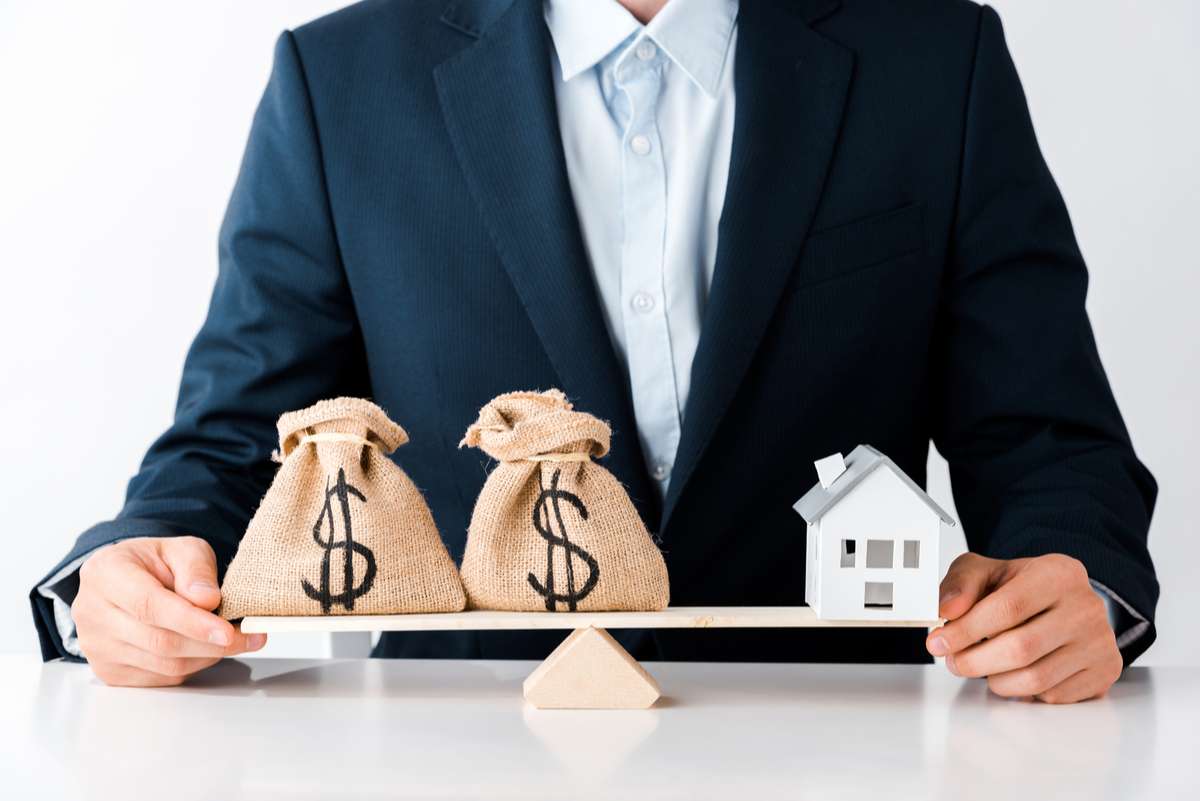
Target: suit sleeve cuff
(60,589)
(1127,623)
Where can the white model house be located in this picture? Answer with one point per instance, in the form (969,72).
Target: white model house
(872,541)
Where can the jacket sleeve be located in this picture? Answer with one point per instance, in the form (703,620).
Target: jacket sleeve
(281,333)
(1040,458)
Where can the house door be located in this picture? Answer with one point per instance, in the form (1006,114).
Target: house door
(878,595)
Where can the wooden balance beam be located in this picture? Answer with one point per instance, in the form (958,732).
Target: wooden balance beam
(589,669)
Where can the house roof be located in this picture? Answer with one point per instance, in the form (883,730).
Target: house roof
(861,462)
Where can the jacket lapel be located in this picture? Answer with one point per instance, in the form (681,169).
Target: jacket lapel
(791,86)
(497,99)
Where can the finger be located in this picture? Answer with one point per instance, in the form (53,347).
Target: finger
(1014,649)
(969,578)
(193,566)
(1103,667)
(138,593)
(1024,595)
(1082,686)
(1049,671)
(251,642)
(172,666)
(165,642)
(127,676)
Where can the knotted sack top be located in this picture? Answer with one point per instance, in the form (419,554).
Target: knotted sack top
(536,426)
(340,419)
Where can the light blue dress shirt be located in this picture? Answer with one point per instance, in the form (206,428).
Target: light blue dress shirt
(646,117)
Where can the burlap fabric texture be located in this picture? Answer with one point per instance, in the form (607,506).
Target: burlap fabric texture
(342,530)
(552,530)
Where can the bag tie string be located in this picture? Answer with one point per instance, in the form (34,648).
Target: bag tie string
(541,457)
(558,457)
(326,436)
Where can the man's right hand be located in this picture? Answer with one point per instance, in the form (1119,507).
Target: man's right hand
(143,612)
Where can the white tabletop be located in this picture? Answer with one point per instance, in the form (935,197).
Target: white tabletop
(293,729)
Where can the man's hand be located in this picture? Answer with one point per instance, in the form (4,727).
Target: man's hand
(143,612)
(1034,627)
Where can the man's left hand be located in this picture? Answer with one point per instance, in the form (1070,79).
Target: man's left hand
(1034,627)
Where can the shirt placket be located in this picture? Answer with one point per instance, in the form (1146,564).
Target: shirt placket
(639,76)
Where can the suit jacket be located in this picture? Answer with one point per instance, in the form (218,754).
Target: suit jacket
(895,265)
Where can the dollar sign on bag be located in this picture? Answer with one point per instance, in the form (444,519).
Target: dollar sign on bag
(550,501)
(342,491)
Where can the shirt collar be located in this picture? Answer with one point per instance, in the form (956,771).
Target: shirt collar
(694,34)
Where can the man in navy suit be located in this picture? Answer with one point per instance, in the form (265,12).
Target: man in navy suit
(747,236)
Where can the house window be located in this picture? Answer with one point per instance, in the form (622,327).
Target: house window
(847,553)
(912,553)
(878,595)
(879,553)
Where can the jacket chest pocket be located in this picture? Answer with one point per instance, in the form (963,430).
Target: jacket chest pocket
(863,244)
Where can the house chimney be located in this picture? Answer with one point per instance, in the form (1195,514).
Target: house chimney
(829,468)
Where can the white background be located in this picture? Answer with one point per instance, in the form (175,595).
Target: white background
(121,129)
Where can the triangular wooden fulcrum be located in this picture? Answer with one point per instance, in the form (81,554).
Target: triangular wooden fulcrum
(590,670)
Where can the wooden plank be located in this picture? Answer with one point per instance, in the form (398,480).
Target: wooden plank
(675,617)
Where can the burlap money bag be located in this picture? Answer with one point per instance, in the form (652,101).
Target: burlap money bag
(552,530)
(342,530)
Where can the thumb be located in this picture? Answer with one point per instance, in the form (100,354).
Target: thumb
(194,566)
(969,578)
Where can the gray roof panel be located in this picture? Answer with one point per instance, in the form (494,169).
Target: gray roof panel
(861,462)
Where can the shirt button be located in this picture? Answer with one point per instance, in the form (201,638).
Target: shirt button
(661,472)
(642,302)
(646,50)
(640,144)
